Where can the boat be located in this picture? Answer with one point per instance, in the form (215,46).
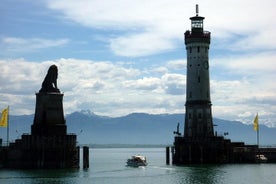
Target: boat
(136,161)
(261,159)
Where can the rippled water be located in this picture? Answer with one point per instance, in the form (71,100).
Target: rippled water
(108,166)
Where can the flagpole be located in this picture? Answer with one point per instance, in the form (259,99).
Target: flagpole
(258,135)
(256,128)
(8,126)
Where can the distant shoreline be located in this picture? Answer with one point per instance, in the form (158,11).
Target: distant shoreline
(125,145)
(141,145)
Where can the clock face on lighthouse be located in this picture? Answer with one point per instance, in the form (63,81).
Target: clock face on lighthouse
(206,65)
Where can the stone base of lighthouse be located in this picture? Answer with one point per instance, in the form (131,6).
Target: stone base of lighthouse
(197,151)
(212,150)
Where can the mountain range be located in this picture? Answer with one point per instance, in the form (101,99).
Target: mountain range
(138,128)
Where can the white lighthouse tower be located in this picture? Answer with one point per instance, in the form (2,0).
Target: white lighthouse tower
(198,117)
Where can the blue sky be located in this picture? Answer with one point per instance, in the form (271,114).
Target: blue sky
(123,56)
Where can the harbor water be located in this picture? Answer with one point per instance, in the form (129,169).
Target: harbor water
(108,165)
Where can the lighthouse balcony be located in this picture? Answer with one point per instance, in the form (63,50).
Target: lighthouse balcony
(193,37)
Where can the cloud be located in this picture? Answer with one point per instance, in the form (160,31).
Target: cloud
(134,44)
(260,62)
(16,44)
(179,64)
(119,15)
(159,70)
(146,28)
(243,85)
(116,89)
(260,40)
(174,84)
(104,87)
(146,83)
(242,58)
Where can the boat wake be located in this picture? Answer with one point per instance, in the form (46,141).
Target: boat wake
(162,168)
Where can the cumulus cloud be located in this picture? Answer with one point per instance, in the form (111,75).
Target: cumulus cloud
(101,86)
(244,87)
(174,84)
(146,83)
(116,89)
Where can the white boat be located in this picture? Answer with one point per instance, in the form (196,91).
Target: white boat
(261,159)
(137,160)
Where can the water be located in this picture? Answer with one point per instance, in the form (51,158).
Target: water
(108,166)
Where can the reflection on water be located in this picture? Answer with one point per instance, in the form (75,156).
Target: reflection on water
(209,174)
(38,176)
(108,166)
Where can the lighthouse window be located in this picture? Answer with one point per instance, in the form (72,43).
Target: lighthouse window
(190,49)
(198,49)
(198,79)
(197,23)
(190,94)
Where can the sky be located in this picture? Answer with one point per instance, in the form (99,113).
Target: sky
(117,57)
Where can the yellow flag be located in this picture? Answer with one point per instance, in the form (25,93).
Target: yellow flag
(4,118)
(256,123)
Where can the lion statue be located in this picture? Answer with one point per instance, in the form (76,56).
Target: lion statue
(50,81)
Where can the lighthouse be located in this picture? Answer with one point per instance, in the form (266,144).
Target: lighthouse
(198,144)
(198,117)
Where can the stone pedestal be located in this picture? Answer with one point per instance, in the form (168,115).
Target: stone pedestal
(211,150)
(49,116)
(49,145)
